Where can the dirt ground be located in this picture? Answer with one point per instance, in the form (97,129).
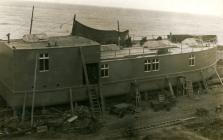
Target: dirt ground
(185,107)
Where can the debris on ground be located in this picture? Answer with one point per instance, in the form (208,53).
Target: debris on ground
(53,119)
(41,129)
(218,108)
(201,112)
(73,118)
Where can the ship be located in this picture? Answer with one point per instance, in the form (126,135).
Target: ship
(92,65)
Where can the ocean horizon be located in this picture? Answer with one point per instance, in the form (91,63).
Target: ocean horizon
(56,19)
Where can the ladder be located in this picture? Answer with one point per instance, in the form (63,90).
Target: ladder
(95,100)
(189,88)
(136,91)
(91,90)
(138,97)
(161,98)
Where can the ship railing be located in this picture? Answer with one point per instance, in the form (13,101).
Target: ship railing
(131,51)
(125,52)
(199,47)
(148,37)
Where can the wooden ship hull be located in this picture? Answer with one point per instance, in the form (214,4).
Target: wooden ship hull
(122,74)
(76,68)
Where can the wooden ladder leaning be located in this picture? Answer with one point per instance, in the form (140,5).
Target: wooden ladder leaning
(92,90)
(189,88)
(95,100)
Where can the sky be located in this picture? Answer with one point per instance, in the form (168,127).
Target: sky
(206,7)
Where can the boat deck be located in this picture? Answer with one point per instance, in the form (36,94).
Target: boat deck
(138,51)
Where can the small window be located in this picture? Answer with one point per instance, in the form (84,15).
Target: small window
(155,64)
(104,70)
(43,62)
(147,65)
(191,60)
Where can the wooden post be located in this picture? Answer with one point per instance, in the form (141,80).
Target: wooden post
(218,76)
(24,107)
(204,82)
(75,105)
(34,92)
(14,111)
(71,102)
(170,87)
(146,96)
(101,97)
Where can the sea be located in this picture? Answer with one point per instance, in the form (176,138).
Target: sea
(56,19)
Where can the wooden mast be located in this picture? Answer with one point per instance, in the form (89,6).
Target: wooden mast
(118,33)
(31,24)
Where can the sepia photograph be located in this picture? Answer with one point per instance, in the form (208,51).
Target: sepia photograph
(111,69)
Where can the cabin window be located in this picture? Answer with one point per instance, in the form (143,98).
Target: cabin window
(147,65)
(155,64)
(191,60)
(43,62)
(104,70)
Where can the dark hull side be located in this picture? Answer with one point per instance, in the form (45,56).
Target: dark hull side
(122,74)
(60,96)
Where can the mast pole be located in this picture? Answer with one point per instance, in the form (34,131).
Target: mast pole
(31,24)
(118,33)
